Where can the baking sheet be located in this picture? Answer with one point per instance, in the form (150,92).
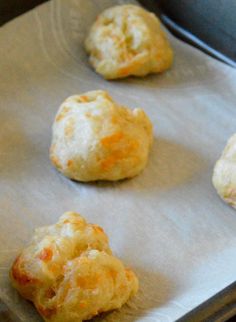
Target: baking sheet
(168,224)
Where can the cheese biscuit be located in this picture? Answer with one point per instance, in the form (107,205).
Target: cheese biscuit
(224,176)
(94,138)
(128,40)
(69,273)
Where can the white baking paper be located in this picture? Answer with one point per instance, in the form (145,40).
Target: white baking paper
(168,223)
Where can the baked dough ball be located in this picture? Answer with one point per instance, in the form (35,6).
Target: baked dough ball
(96,139)
(69,273)
(224,176)
(128,40)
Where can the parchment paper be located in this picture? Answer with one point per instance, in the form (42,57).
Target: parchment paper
(168,223)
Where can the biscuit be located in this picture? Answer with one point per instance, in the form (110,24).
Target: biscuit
(96,139)
(224,175)
(69,273)
(128,40)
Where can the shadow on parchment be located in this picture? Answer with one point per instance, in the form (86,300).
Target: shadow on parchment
(155,290)
(191,69)
(170,164)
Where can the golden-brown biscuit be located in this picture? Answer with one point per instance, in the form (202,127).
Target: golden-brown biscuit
(224,176)
(96,139)
(69,273)
(128,40)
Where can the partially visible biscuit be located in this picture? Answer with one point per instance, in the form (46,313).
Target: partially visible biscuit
(224,176)
(94,138)
(128,40)
(69,273)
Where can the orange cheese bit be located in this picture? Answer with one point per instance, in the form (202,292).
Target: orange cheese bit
(70,163)
(124,71)
(20,276)
(83,304)
(46,312)
(128,69)
(56,161)
(117,155)
(63,113)
(46,255)
(90,282)
(111,139)
(110,161)
(129,274)
(113,273)
(83,99)
(114,119)
(98,229)
(54,267)
(69,128)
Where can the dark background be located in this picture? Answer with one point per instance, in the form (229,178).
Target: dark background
(9,9)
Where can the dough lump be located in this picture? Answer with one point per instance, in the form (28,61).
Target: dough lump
(94,138)
(69,273)
(128,40)
(224,176)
